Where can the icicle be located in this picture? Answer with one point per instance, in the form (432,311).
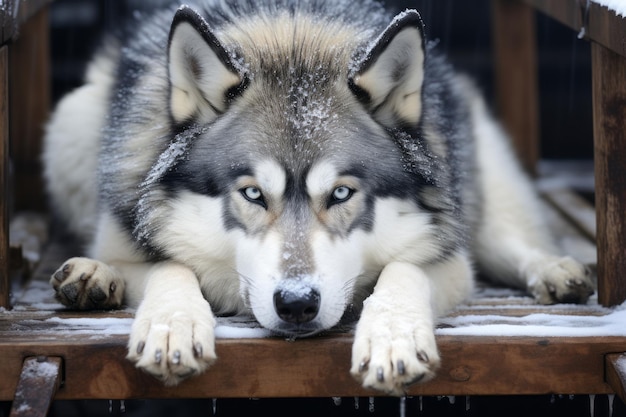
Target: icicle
(592,400)
(356,403)
(451,399)
(122,406)
(214,406)
(371,405)
(611,399)
(337,401)
(402,406)
(467,403)
(110,406)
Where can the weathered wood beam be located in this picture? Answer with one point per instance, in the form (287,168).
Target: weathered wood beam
(319,367)
(29,96)
(609,130)
(616,373)
(600,24)
(39,380)
(5,285)
(515,59)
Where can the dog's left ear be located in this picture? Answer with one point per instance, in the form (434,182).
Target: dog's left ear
(389,79)
(201,73)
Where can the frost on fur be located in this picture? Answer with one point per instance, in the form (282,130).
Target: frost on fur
(297,161)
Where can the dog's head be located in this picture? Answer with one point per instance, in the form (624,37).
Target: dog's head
(293,166)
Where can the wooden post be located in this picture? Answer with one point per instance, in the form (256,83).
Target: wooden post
(609,131)
(29,62)
(515,58)
(5,285)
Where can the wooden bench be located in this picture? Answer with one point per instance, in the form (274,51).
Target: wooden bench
(50,353)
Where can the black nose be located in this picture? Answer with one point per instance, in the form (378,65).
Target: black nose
(297,307)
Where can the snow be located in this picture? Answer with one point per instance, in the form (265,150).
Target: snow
(492,311)
(621,365)
(618,6)
(41,369)
(537,324)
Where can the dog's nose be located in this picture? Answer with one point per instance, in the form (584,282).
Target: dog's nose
(297,306)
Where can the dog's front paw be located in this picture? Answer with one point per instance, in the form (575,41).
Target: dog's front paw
(560,280)
(391,352)
(173,340)
(85,283)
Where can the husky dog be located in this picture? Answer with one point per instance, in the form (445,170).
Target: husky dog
(296,160)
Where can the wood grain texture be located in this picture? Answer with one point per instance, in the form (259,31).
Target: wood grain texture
(5,285)
(29,92)
(616,373)
(609,124)
(601,25)
(38,383)
(515,64)
(319,367)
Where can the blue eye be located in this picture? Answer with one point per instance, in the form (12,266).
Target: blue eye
(340,195)
(253,195)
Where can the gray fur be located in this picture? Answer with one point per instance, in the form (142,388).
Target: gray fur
(296,105)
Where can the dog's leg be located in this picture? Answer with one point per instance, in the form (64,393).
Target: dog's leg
(394,344)
(513,245)
(172,336)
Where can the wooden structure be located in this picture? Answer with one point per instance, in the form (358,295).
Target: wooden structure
(50,353)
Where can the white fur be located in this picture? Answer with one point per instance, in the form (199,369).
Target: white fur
(512,242)
(400,96)
(70,163)
(198,76)
(240,269)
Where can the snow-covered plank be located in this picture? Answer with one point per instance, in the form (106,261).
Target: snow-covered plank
(319,367)
(39,380)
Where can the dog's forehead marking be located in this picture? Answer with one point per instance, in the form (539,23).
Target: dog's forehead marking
(321,178)
(271,177)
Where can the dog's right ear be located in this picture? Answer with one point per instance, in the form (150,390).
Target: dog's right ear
(201,73)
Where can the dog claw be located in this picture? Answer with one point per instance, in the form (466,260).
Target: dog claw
(140,346)
(158,355)
(176,357)
(197,350)
(422,356)
(380,374)
(363,366)
(401,367)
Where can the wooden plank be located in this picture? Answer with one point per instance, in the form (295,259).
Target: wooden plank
(575,209)
(616,373)
(609,121)
(516,85)
(319,367)
(601,25)
(38,382)
(29,108)
(5,285)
